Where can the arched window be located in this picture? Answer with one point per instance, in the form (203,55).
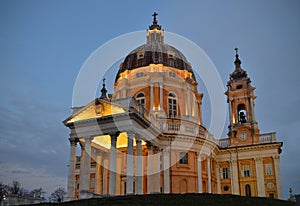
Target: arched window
(140,98)
(248,190)
(172,105)
(242,113)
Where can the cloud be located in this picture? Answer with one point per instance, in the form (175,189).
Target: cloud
(33,143)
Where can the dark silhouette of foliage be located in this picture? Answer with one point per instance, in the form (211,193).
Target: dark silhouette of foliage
(58,195)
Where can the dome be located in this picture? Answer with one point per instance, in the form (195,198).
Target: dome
(155,51)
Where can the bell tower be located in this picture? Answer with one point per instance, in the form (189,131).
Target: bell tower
(243,128)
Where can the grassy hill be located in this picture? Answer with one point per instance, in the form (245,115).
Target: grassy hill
(176,199)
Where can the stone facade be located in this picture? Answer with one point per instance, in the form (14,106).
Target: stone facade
(149,136)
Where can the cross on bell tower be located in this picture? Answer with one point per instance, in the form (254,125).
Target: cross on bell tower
(240,97)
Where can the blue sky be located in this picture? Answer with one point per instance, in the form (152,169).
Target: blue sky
(44,43)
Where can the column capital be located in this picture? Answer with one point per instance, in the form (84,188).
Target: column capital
(73,141)
(233,161)
(138,141)
(114,134)
(156,149)
(258,160)
(130,134)
(276,157)
(89,139)
(149,145)
(166,149)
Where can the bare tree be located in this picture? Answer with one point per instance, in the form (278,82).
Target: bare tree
(15,189)
(58,195)
(38,192)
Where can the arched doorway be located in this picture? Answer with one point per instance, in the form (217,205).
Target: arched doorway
(248,190)
(183,186)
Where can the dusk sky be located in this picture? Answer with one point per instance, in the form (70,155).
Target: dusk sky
(44,43)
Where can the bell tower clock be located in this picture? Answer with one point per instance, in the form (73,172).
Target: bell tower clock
(242,127)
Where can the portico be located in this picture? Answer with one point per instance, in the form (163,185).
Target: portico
(101,139)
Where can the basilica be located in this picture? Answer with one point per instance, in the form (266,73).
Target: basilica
(148,136)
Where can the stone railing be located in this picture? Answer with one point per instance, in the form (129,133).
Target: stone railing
(223,142)
(267,138)
(131,105)
(180,126)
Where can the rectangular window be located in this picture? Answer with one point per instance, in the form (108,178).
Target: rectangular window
(93,182)
(140,55)
(141,101)
(172,74)
(225,173)
(269,171)
(184,159)
(172,107)
(246,171)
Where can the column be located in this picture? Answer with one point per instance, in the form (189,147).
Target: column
(218,178)
(151,96)
(234,177)
(139,168)
(260,177)
(230,111)
(252,109)
(104,173)
(71,171)
(112,163)
(156,174)
(199,172)
(99,175)
(161,97)
(166,162)
(87,164)
(188,100)
(81,177)
(209,174)
(194,105)
(129,164)
(150,169)
(119,158)
(277,175)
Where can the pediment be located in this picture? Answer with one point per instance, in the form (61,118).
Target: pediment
(96,108)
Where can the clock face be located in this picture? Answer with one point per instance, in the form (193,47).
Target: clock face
(243,136)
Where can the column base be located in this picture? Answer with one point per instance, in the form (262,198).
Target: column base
(68,199)
(85,194)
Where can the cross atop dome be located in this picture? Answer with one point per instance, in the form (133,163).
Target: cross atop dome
(155,22)
(154,17)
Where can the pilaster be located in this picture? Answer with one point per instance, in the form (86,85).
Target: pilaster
(166,162)
(234,177)
(277,175)
(209,174)
(199,172)
(218,179)
(261,191)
